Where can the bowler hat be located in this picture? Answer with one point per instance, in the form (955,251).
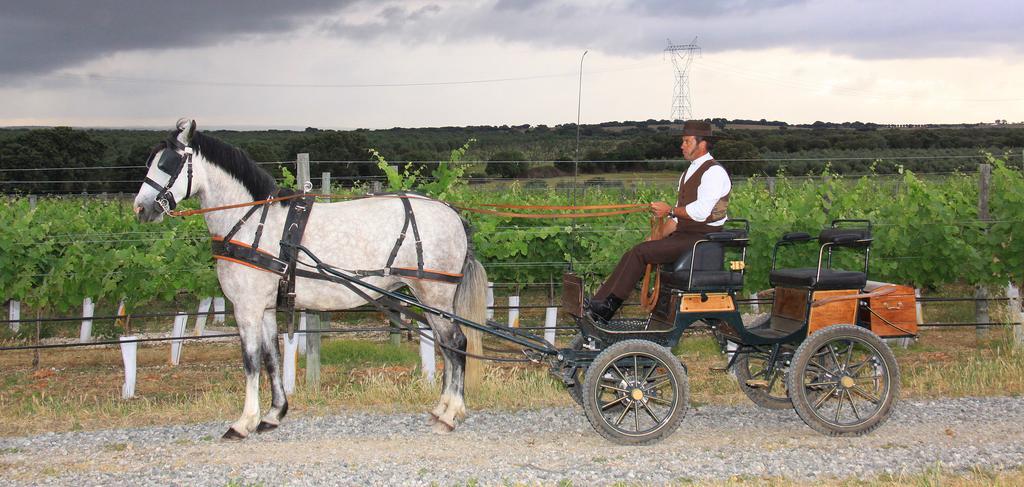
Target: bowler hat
(697,128)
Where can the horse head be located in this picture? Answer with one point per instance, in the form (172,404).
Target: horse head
(170,176)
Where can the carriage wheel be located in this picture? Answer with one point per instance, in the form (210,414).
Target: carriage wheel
(754,365)
(635,392)
(844,381)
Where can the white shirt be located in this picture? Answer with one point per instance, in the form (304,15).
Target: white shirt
(714,185)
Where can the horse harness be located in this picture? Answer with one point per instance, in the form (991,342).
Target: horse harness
(285,263)
(171,163)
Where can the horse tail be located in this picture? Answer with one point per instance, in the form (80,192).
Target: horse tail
(471,293)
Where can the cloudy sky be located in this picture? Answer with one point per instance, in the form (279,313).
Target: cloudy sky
(379,64)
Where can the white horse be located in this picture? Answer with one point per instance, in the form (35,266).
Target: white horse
(357,234)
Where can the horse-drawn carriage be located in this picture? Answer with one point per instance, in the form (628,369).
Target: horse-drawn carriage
(818,351)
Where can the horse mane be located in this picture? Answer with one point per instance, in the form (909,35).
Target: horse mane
(237,163)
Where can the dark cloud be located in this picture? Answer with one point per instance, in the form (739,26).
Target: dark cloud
(863,29)
(705,9)
(41,35)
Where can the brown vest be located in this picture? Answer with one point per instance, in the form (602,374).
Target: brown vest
(688,194)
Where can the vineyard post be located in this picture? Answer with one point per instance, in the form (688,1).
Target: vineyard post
(88,310)
(396,335)
(128,355)
(490,300)
(550,321)
(325,182)
(302,170)
(427,362)
(14,314)
(1016,313)
(981,292)
(513,311)
(302,333)
(291,346)
(180,322)
(218,309)
(313,350)
(203,312)
(771,185)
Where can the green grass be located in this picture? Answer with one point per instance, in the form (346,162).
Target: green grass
(356,353)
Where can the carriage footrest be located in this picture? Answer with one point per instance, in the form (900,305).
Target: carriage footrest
(625,324)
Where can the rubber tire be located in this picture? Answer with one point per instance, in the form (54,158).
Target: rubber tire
(801,403)
(576,391)
(676,370)
(758,396)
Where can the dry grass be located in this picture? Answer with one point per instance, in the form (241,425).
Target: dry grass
(937,476)
(80,389)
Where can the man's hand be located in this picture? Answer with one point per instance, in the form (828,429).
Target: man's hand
(660,209)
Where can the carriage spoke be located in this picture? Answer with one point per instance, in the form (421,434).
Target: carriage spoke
(616,389)
(822,368)
(849,356)
(771,382)
(651,414)
(622,416)
(865,394)
(648,376)
(854,369)
(825,397)
(636,415)
(852,405)
(617,371)
(656,377)
(839,407)
(832,352)
(869,377)
(608,405)
(661,384)
(821,384)
(636,370)
(660,400)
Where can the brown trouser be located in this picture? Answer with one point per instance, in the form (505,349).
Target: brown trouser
(631,266)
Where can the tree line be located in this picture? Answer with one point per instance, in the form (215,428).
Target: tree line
(747,147)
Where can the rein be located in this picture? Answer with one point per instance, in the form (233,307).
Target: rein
(624,209)
(648,296)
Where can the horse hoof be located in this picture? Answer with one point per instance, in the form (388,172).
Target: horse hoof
(441,427)
(433,419)
(232,435)
(264,426)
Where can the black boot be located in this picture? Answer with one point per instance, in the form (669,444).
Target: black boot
(602,310)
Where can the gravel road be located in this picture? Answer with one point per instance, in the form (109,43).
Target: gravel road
(529,447)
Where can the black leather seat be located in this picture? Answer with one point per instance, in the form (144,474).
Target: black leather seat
(707,265)
(825,278)
(808,277)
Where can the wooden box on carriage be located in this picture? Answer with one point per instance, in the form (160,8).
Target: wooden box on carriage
(893,314)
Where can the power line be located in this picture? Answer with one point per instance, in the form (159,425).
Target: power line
(250,84)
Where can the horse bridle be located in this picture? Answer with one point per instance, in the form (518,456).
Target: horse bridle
(171,163)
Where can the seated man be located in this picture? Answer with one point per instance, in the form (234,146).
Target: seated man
(700,209)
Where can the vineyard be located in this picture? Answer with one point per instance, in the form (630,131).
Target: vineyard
(927,233)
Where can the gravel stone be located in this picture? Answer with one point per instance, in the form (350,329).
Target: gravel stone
(546,447)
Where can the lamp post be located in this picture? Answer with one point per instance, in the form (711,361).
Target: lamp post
(579,106)
(576,158)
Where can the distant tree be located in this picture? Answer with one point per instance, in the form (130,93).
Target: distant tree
(506,164)
(59,147)
(727,149)
(331,145)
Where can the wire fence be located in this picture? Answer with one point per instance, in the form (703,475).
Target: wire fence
(127,317)
(19,180)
